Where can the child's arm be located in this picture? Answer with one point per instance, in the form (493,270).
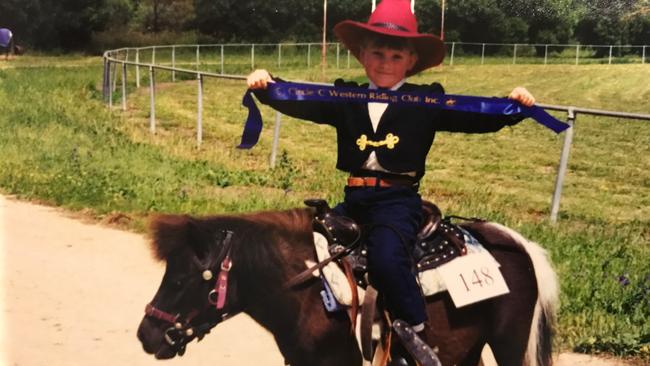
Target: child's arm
(319,112)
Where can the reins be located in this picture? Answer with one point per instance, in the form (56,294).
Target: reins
(307,274)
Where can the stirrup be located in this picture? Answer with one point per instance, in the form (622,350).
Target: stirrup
(415,346)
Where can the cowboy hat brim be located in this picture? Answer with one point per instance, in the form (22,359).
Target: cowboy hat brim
(429,48)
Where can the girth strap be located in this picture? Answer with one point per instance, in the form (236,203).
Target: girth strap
(367,319)
(354,307)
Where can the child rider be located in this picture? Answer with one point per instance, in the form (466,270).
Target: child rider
(382,189)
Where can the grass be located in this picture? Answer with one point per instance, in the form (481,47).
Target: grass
(61,145)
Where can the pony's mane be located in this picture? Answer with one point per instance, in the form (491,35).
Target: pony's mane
(291,220)
(171,232)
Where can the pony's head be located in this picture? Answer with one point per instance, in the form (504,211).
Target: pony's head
(187,304)
(199,289)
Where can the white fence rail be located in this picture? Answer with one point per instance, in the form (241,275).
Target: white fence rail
(237,57)
(200,58)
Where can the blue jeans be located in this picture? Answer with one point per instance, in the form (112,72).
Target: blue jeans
(391,218)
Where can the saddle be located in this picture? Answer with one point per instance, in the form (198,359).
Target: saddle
(438,240)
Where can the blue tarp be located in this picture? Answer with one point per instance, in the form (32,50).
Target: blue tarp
(5,37)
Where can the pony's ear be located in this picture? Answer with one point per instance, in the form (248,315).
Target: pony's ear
(168,233)
(171,232)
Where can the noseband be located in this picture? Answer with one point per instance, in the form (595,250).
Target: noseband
(182,331)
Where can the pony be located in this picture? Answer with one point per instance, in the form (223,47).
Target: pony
(258,254)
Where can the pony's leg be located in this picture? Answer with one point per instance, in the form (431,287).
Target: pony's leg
(513,313)
(458,334)
(313,337)
(473,357)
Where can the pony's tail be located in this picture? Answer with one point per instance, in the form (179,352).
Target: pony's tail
(539,351)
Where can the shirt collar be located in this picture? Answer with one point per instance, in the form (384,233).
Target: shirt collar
(372,85)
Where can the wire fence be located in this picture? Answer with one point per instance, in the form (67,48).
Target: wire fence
(187,62)
(515,53)
(238,58)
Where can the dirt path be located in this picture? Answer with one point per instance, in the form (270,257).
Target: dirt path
(73,294)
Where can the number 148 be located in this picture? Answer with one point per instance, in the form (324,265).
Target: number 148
(477,278)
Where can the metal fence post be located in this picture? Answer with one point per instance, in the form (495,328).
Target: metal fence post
(152,101)
(514,55)
(279,55)
(564,160)
(453,46)
(105,79)
(123,86)
(308,55)
(114,81)
(545,54)
(577,53)
(643,55)
(483,54)
(198,57)
(109,87)
(276,138)
(153,55)
(174,63)
(338,50)
(137,68)
(221,59)
(252,56)
(199,112)
(611,48)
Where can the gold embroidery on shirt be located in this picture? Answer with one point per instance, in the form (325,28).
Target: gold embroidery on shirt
(390,141)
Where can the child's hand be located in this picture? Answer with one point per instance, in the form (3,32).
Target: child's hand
(523,96)
(259,79)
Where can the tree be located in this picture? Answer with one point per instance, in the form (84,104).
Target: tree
(550,21)
(609,23)
(115,13)
(17,16)
(483,21)
(637,28)
(164,15)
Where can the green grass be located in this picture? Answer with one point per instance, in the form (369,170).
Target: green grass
(61,145)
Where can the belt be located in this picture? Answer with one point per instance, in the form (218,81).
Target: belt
(379,182)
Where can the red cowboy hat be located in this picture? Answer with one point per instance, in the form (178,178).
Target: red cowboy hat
(393,18)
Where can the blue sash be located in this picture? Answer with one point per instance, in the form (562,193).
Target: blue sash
(311,92)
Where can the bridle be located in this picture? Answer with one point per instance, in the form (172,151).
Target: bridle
(183,330)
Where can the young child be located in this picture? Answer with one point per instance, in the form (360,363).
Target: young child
(382,190)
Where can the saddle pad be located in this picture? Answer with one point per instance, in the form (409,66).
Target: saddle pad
(333,274)
(430,280)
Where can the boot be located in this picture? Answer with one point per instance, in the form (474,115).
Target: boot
(415,346)
(399,356)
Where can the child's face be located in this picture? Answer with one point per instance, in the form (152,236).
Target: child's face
(386,67)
